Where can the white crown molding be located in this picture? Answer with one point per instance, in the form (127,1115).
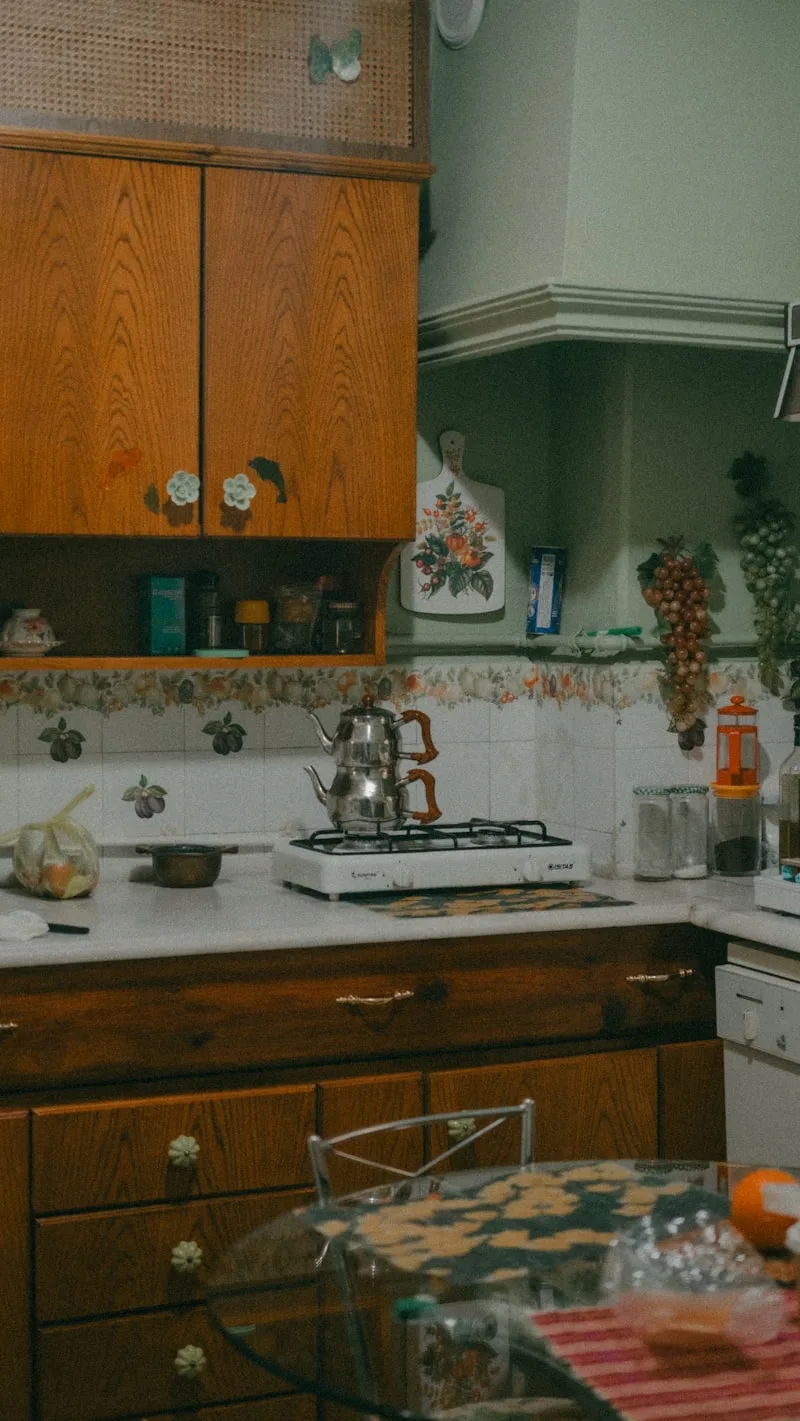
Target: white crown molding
(555,311)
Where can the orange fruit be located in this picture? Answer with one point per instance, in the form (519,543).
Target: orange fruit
(748,1215)
(57,878)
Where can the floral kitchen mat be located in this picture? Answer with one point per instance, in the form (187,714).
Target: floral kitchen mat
(461,903)
(551,1225)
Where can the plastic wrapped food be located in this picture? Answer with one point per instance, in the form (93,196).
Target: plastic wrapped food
(693,1283)
(57,858)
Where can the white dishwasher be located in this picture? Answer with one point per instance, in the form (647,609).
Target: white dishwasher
(758,1018)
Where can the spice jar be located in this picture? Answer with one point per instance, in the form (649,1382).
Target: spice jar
(342,628)
(689,831)
(252,619)
(653,820)
(295,608)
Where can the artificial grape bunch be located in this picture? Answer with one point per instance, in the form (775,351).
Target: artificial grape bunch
(769,563)
(675,584)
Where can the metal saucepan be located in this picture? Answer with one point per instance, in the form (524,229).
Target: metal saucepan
(186,865)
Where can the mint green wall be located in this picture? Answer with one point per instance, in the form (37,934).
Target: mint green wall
(643,437)
(500,126)
(501,404)
(685,147)
(648,145)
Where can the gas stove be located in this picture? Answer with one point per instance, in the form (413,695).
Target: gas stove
(481,853)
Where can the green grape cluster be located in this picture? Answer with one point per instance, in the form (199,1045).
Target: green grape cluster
(769,563)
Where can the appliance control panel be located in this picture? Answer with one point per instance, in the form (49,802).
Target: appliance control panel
(759,1011)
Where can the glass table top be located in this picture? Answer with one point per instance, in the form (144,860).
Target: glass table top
(423,1298)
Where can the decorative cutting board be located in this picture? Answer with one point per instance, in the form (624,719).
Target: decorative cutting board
(456,566)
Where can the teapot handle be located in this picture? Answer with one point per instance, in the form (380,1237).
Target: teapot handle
(425,816)
(422,757)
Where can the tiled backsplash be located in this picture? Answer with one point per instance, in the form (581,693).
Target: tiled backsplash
(223,755)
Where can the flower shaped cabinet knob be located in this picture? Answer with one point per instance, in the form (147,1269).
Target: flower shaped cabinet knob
(183,1152)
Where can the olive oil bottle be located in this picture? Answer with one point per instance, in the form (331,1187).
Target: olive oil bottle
(789,811)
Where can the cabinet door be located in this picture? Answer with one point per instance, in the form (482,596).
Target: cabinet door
(602,1106)
(373,1100)
(99,355)
(15,1267)
(310,355)
(691,1091)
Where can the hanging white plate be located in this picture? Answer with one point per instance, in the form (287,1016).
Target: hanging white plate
(457,20)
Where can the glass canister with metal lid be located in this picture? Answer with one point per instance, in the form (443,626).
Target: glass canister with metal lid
(652,806)
(689,831)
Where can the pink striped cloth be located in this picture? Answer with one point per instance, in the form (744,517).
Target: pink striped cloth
(763,1384)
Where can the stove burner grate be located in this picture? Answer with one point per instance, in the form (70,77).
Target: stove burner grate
(416,838)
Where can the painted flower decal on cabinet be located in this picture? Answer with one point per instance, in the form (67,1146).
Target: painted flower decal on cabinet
(228,735)
(147,799)
(183,488)
(238,492)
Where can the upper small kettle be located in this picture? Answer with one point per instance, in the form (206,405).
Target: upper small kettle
(368,735)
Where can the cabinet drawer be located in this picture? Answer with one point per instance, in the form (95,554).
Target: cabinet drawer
(206,1014)
(101,1370)
(97,1264)
(273,1408)
(91,1156)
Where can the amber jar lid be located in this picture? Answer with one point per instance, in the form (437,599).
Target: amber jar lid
(251,612)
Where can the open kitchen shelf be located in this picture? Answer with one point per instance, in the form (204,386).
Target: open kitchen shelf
(174,663)
(89,591)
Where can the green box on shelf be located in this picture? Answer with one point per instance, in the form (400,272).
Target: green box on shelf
(163,616)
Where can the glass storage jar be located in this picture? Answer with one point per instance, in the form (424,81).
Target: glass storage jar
(252,621)
(652,823)
(295,609)
(689,831)
(342,628)
(736,829)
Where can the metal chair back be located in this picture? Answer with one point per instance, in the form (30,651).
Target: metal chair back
(463,1127)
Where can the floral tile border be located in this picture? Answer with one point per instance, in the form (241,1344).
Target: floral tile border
(451,683)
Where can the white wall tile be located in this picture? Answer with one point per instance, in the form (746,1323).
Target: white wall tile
(774,723)
(136,730)
(555,793)
(593,725)
(517,720)
(291,807)
(594,788)
(9,719)
(513,781)
(464,723)
(462,783)
(252,722)
(46,786)
(291,727)
(644,724)
(120,820)
(225,793)
(9,801)
(31,726)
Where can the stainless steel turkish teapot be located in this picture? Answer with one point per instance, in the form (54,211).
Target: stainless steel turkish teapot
(367,793)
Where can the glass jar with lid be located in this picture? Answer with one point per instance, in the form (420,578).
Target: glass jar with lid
(689,831)
(342,628)
(652,806)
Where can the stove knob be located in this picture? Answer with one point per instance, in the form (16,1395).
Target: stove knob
(750,1025)
(531,871)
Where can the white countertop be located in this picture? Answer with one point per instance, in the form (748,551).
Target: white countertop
(129,917)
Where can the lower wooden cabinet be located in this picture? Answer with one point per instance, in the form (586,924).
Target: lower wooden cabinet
(15,1349)
(691,1101)
(602,1106)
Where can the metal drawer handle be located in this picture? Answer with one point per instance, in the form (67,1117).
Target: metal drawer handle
(352,1001)
(644,978)
(186,1256)
(183,1152)
(7,1027)
(189,1361)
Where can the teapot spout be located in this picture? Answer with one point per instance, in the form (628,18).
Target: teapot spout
(319,788)
(325,740)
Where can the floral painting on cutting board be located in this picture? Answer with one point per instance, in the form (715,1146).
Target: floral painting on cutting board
(456,566)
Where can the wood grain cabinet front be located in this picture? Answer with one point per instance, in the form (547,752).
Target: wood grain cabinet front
(127,1366)
(176,1147)
(97,1264)
(310,355)
(99,343)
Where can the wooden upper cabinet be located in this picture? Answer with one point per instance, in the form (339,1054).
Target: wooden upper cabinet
(99,343)
(310,354)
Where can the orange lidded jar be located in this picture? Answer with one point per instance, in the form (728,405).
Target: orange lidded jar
(736,797)
(252,619)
